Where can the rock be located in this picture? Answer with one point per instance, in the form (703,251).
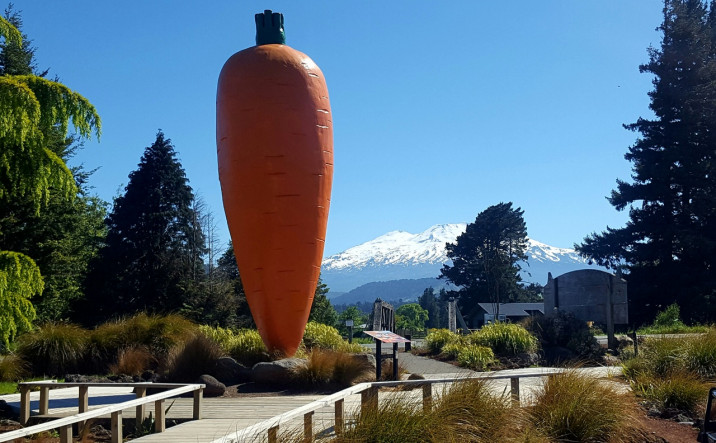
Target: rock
(214,388)
(367,359)
(6,411)
(527,359)
(230,372)
(150,376)
(416,377)
(275,372)
(610,360)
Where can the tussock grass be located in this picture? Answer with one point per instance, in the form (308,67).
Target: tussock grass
(196,357)
(679,390)
(326,367)
(475,357)
(12,368)
(504,338)
(133,361)
(701,354)
(576,407)
(54,349)
(318,335)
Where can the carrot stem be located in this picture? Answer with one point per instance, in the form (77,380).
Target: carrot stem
(269,28)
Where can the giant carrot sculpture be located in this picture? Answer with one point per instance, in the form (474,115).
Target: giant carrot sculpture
(274,139)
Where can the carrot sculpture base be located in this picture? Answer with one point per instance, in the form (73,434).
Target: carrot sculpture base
(275,153)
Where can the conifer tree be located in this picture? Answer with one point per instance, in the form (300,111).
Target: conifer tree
(668,247)
(485,258)
(322,310)
(31,109)
(152,256)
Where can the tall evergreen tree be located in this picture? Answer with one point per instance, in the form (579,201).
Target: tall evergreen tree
(485,258)
(668,247)
(431,304)
(152,257)
(322,310)
(32,111)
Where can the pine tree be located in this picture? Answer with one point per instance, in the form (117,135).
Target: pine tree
(322,310)
(32,110)
(668,247)
(152,257)
(430,303)
(485,258)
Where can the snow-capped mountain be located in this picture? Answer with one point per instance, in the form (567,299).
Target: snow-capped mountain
(401,255)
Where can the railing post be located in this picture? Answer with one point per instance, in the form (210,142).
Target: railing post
(198,399)
(427,397)
(44,400)
(159,416)
(273,435)
(140,392)
(117,427)
(515,391)
(339,417)
(66,434)
(83,403)
(369,400)
(308,427)
(24,405)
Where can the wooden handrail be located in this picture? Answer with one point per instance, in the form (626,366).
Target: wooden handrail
(65,423)
(368,399)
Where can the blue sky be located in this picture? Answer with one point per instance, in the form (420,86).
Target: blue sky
(440,109)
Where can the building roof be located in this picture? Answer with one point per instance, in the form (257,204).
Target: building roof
(513,309)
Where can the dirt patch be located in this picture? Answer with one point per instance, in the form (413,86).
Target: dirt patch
(669,430)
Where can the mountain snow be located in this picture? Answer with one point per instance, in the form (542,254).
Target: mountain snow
(402,255)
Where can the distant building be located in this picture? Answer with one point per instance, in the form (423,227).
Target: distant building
(509,312)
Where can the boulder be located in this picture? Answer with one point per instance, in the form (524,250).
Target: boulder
(214,388)
(275,372)
(230,372)
(367,359)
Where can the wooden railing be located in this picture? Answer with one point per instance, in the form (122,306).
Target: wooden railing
(64,425)
(369,399)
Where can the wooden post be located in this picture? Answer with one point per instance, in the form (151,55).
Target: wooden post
(140,392)
(273,435)
(117,427)
(308,427)
(83,403)
(378,362)
(395,361)
(24,405)
(369,400)
(159,416)
(198,399)
(636,344)
(515,391)
(339,417)
(427,397)
(44,400)
(66,434)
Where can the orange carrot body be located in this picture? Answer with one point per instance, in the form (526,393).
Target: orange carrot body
(275,153)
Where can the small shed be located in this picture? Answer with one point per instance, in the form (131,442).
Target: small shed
(510,312)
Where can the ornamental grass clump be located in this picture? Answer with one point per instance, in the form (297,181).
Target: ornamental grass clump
(12,368)
(504,339)
(54,349)
(475,357)
(700,355)
(573,406)
(247,347)
(196,357)
(326,367)
(133,361)
(438,338)
(680,390)
(318,335)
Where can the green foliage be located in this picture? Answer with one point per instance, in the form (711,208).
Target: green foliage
(54,349)
(10,32)
(438,338)
(670,236)
(322,310)
(452,349)
(680,390)
(411,316)
(318,335)
(577,407)
(669,321)
(244,346)
(485,258)
(351,313)
(20,279)
(700,355)
(152,258)
(475,357)
(435,307)
(505,339)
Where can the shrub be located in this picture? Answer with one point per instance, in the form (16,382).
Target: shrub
(504,338)
(663,355)
(451,350)
(577,407)
(668,317)
(437,338)
(198,356)
(54,349)
(12,368)
(133,361)
(563,329)
(475,357)
(318,335)
(247,347)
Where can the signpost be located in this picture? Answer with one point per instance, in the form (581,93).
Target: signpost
(386,337)
(349,325)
